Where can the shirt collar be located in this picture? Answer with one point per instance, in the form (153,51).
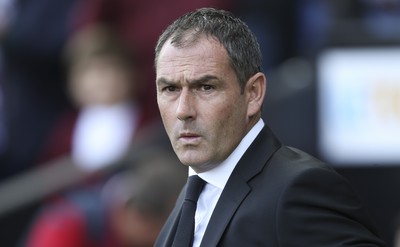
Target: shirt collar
(219,175)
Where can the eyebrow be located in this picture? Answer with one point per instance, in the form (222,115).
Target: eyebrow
(162,80)
(203,79)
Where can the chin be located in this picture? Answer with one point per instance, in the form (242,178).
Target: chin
(190,162)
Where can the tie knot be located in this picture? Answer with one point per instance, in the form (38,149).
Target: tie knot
(194,188)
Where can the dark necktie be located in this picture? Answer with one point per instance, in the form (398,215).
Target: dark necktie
(185,230)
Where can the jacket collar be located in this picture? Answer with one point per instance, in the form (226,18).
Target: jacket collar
(237,188)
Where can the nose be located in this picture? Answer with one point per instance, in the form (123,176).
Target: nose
(185,109)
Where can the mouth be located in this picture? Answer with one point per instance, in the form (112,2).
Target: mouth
(189,137)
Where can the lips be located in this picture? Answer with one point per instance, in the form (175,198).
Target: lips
(189,137)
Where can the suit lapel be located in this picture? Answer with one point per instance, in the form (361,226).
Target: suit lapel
(167,234)
(237,187)
(224,210)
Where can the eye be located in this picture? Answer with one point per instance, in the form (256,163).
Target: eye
(206,87)
(170,89)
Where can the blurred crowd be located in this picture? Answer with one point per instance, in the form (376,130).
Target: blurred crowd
(77,85)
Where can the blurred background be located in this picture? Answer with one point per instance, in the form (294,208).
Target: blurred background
(78,115)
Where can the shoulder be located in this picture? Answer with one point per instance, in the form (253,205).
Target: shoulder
(292,163)
(317,205)
(304,177)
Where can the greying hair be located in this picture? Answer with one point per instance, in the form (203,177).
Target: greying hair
(235,36)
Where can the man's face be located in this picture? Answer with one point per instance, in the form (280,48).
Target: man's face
(200,101)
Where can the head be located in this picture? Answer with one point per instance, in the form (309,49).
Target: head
(101,69)
(210,88)
(234,35)
(141,198)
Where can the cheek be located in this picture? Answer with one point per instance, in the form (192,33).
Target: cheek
(166,113)
(161,107)
(228,120)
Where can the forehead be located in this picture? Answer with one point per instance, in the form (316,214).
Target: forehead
(206,55)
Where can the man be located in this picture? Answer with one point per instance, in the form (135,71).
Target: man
(258,192)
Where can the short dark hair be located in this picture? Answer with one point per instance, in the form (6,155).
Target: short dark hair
(235,36)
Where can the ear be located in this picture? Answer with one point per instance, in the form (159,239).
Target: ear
(256,88)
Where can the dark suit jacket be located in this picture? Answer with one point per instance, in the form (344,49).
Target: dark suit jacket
(280,196)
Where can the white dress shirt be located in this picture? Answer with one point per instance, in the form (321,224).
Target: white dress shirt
(216,179)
